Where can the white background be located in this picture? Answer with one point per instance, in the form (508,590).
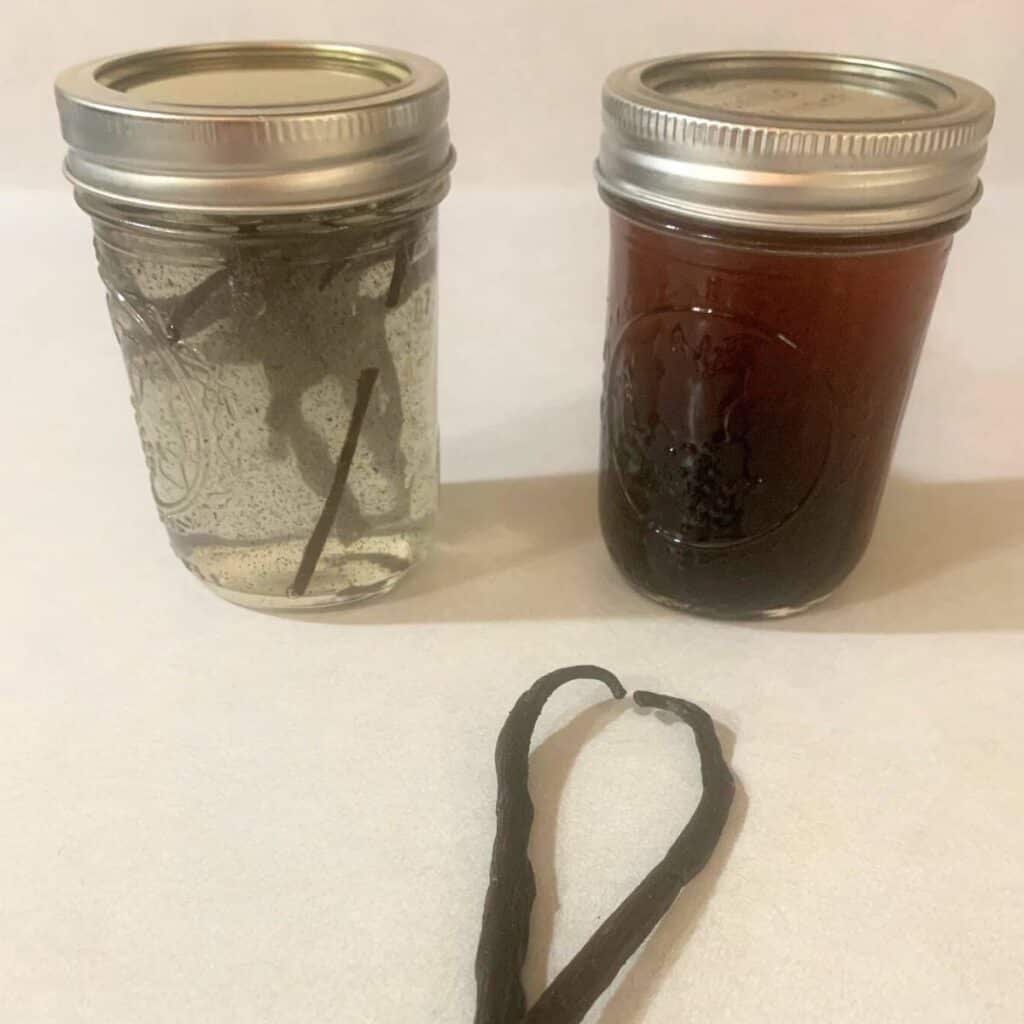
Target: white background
(208,815)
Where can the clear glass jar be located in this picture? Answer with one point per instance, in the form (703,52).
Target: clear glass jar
(265,221)
(245,340)
(780,224)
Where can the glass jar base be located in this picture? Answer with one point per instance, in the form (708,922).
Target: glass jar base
(308,602)
(708,612)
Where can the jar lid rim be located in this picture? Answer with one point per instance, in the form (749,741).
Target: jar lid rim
(255,125)
(794,140)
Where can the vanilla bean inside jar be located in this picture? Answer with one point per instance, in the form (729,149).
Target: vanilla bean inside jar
(271,278)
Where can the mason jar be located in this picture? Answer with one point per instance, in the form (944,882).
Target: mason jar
(266,229)
(780,223)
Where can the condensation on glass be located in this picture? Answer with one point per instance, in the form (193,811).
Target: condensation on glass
(779,228)
(271,279)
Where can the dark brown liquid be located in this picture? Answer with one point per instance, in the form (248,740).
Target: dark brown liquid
(753,391)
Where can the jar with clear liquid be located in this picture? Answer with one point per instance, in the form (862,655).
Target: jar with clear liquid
(278,323)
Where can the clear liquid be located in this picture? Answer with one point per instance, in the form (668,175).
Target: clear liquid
(243,357)
(255,575)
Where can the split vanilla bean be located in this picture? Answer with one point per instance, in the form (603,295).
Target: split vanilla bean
(504,934)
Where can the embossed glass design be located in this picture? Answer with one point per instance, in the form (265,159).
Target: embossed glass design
(754,384)
(247,340)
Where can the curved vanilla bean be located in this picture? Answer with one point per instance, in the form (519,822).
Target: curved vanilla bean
(505,931)
(568,998)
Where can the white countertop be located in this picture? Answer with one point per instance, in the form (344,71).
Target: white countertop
(216,816)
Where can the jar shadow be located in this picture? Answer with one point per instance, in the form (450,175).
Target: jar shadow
(514,549)
(945,557)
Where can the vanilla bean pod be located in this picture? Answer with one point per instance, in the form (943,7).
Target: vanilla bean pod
(568,998)
(505,931)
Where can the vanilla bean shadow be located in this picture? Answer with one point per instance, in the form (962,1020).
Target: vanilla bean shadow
(504,936)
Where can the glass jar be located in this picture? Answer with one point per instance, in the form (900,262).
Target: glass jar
(779,228)
(271,278)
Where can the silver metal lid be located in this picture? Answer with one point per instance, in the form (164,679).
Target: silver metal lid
(255,127)
(794,141)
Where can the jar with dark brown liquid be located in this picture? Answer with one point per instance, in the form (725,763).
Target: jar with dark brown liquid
(760,345)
